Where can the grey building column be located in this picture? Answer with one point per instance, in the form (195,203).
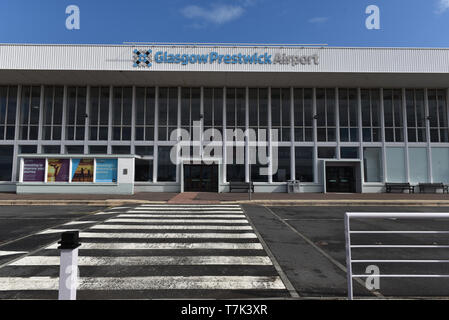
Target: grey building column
(111,97)
(225,162)
(292,135)
(405,124)
(87,120)
(270,163)
(382,124)
(247,155)
(315,135)
(429,149)
(156,134)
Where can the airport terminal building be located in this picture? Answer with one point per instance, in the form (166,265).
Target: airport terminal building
(105,118)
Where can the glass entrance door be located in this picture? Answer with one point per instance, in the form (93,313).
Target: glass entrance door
(340,179)
(200,178)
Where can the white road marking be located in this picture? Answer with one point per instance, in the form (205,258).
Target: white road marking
(168,235)
(79,222)
(167,227)
(49,231)
(221,213)
(187,209)
(150,261)
(177,221)
(144,215)
(10,253)
(191,206)
(165,246)
(106,213)
(148,283)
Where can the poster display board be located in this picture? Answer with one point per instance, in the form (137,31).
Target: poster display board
(33,170)
(58,170)
(82,170)
(106,170)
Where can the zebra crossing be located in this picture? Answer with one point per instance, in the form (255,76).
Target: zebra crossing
(155,252)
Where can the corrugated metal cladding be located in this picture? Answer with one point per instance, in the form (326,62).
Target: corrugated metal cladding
(120,58)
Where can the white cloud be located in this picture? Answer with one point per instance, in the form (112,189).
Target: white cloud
(443,5)
(318,20)
(218,14)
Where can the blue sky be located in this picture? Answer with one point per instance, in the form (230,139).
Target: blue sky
(415,23)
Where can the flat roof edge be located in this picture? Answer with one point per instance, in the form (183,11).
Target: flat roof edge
(225,45)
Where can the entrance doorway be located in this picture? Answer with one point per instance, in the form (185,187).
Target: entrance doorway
(200,178)
(340,179)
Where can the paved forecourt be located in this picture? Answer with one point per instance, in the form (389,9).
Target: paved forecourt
(152,252)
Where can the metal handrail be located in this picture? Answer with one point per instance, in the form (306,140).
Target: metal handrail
(388,215)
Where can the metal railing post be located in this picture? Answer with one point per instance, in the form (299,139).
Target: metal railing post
(389,215)
(68,271)
(348,257)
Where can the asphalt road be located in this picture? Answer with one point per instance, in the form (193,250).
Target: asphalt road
(152,252)
(20,226)
(284,252)
(309,244)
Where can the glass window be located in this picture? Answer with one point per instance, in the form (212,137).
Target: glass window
(280,113)
(416,124)
(348,115)
(6,158)
(52,115)
(27,149)
(325,104)
(259,168)
(326,153)
(283,172)
(122,114)
(121,150)
(418,165)
(438,116)
(235,163)
(440,165)
(98,150)
(394,125)
(76,113)
(258,113)
(144,150)
(145,113)
(213,109)
(29,112)
(304,164)
(99,113)
(396,165)
(8,106)
(143,170)
(168,111)
(372,164)
(303,114)
(371,127)
(166,167)
(51,149)
(235,108)
(74,149)
(349,153)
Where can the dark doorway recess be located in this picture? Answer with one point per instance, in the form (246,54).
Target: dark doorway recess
(200,178)
(340,179)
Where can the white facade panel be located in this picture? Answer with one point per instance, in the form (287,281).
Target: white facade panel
(120,58)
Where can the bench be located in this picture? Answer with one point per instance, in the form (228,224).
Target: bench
(238,185)
(432,186)
(399,186)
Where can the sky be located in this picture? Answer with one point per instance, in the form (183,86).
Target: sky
(403,23)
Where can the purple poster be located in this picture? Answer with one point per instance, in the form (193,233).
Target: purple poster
(58,170)
(33,170)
